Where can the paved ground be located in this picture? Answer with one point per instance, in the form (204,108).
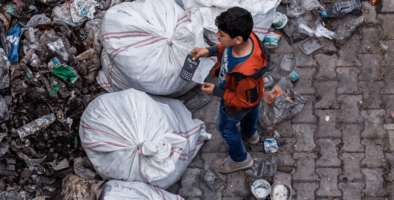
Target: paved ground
(348,157)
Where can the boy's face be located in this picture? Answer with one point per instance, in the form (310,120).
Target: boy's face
(225,39)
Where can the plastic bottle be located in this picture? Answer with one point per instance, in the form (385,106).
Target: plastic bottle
(342,8)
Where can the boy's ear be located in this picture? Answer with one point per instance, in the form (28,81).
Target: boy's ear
(239,40)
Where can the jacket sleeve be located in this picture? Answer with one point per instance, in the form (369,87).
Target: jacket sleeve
(215,72)
(246,95)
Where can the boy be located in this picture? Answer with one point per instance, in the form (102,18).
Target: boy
(242,62)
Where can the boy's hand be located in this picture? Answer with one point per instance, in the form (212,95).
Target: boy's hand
(199,52)
(208,88)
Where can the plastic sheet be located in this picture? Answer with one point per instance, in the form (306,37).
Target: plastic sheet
(264,167)
(296,8)
(40,19)
(115,190)
(286,103)
(212,178)
(311,4)
(81,10)
(10,194)
(81,168)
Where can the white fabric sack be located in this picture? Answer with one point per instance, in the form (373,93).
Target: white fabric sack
(204,13)
(145,46)
(132,136)
(116,190)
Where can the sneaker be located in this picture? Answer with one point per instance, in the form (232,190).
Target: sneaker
(252,140)
(227,165)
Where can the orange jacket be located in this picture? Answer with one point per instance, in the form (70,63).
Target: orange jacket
(245,84)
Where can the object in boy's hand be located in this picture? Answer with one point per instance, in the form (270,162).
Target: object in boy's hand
(189,67)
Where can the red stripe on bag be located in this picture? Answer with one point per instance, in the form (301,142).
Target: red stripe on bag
(118,51)
(154,41)
(125,32)
(87,126)
(124,36)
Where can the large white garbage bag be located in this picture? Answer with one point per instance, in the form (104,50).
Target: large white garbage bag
(132,136)
(204,13)
(145,46)
(116,190)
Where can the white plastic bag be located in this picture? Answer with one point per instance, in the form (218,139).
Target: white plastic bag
(205,12)
(115,190)
(132,136)
(145,46)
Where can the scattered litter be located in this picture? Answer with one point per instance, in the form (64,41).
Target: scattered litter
(82,168)
(212,178)
(288,63)
(281,191)
(280,20)
(36,125)
(268,80)
(294,76)
(345,32)
(62,165)
(264,167)
(342,8)
(272,39)
(311,45)
(270,145)
(280,103)
(383,46)
(374,1)
(261,189)
(327,117)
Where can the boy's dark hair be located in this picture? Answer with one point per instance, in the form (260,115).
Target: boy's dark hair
(235,21)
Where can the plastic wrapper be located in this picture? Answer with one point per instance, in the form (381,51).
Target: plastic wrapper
(14,37)
(86,54)
(341,9)
(212,178)
(81,168)
(40,19)
(91,24)
(62,13)
(281,103)
(321,31)
(60,51)
(33,164)
(12,9)
(311,4)
(36,125)
(344,33)
(264,167)
(296,8)
(81,10)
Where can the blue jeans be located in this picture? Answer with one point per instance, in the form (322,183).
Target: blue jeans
(227,128)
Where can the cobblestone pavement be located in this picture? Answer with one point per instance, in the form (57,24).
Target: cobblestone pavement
(345,158)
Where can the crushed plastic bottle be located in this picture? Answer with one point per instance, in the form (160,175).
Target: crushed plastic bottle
(36,125)
(345,32)
(341,9)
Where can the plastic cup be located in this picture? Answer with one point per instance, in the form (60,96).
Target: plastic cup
(261,189)
(271,40)
(280,20)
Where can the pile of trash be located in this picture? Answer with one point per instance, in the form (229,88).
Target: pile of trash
(62,136)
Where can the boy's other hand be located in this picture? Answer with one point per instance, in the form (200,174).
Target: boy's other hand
(199,52)
(208,88)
